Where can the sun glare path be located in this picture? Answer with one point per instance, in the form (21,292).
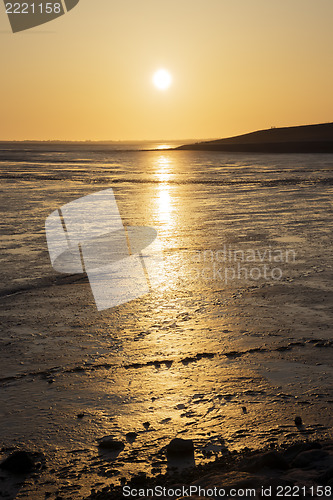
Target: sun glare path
(163,173)
(164,201)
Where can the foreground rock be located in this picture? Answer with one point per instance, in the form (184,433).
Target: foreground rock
(271,460)
(111,444)
(179,446)
(22,462)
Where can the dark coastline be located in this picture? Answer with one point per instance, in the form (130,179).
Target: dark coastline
(302,139)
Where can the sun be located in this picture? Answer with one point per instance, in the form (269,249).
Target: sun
(162,79)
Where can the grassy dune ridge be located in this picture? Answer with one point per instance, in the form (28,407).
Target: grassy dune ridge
(302,139)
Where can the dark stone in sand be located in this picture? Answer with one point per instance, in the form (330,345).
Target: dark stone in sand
(180,447)
(270,460)
(307,458)
(297,448)
(80,415)
(19,462)
(131,436)
(111,444)
(139,480)
(298,421)
(146,425)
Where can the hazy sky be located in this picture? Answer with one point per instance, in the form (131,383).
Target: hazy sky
(237,66)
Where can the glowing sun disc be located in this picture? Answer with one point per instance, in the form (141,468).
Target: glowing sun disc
(162,79)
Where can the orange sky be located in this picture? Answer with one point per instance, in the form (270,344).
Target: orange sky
(237,66)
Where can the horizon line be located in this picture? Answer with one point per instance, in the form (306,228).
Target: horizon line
(110,141)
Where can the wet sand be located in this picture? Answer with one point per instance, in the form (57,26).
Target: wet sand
(247,393)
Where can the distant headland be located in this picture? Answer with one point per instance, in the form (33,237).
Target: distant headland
(302,139)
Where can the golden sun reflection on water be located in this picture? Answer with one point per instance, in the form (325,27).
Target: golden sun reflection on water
(164,205)
(165,146)
(164,201)
(163,172)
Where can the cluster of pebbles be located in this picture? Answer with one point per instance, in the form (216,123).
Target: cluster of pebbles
(301,470)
